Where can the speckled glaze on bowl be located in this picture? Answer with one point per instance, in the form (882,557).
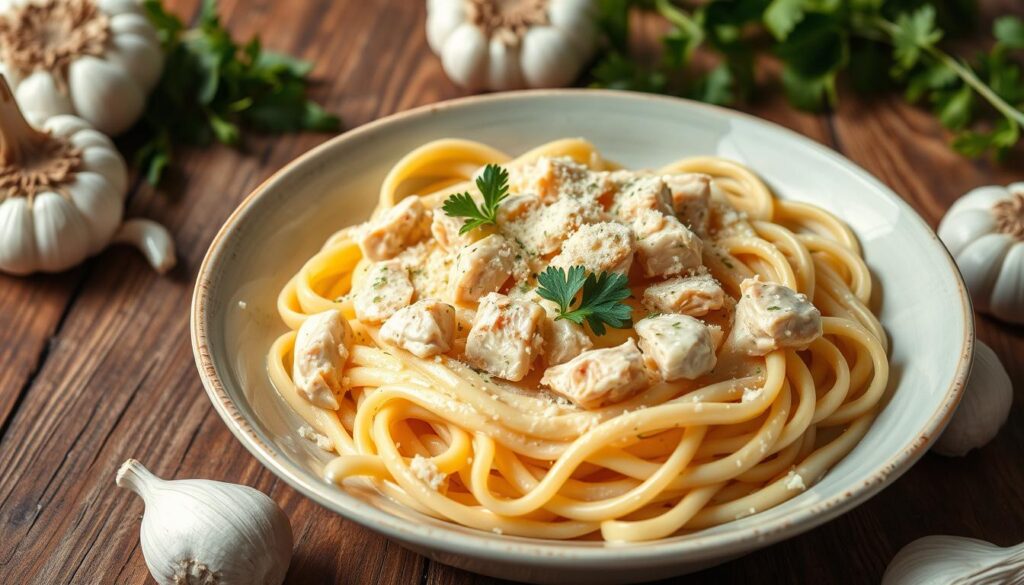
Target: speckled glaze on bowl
(922,301)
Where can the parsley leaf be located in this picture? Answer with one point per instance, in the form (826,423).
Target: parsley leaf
(915,33)
(600,301)
(1009,30)
(493,185)
(212,89)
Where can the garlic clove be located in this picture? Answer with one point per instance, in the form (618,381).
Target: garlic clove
(464,57)
(65,125)
(17,244)
(136,24)
(577,19)
(208,532)
(504,72)
(980,198)
(955,560)
(141,57)
(970,225)
(115,7)
(1006,293)
(95,85)
(89,137)
(152,239)
(100,206)
(62,235)
(979,264)
(39,95)
(444,17)
(983,409)
(549,58)
(111,167)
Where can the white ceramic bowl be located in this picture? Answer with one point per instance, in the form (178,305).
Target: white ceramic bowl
(922,300)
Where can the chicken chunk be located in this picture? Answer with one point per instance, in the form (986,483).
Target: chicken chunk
(690,195)
(385,290)
(505,338)
(480,268)
(321,350)
(771,316)
(680,346)
(563,339)
(425,328)
(642,194)
(598,377)
(554,178)
(445,229)
(396,229)
(690,295)
(544,228)
(664,246)
(599,247)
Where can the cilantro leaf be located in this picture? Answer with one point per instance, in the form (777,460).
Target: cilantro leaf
(915,34)
(493,185)
(1009,30)
(600,301)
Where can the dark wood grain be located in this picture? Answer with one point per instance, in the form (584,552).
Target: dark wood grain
(96,364)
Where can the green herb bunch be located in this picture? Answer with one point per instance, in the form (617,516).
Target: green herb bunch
(212,89)
(880,45)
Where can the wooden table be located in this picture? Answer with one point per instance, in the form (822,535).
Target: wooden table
(96,364)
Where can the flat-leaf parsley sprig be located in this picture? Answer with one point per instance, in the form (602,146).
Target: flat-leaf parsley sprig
(601,300)
(493,185)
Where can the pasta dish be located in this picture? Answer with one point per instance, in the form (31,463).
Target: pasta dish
(552,346)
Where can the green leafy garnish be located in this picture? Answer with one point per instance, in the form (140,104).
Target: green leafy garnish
(882,45)
(212,89)
(600,302)
(493,185)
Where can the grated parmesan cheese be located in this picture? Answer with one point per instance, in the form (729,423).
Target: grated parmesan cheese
(427,471)
(307,432)
(751,394)
(795,481)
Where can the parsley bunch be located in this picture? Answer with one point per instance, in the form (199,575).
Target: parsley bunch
(601,300)
(212,89)
(493,185)
(877,44)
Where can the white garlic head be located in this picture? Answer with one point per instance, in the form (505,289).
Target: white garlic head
(984,231)
(954,560)
(984,407)
(512,44)
(202,532)
(96,59)
(62,189)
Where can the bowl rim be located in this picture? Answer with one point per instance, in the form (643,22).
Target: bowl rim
(540,552)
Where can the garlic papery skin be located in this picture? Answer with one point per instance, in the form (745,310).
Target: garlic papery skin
(202,532)
(62,191)
(983,409)
(512,44)
(984,231)
(96,59)
(954,560)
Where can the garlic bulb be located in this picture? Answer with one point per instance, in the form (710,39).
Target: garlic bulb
(62,195)
(202,532)
(512,44)
(984,231)
(983,408)
(954,560)
(97,59)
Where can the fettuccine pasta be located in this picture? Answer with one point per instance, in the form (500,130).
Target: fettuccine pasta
(539,456)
